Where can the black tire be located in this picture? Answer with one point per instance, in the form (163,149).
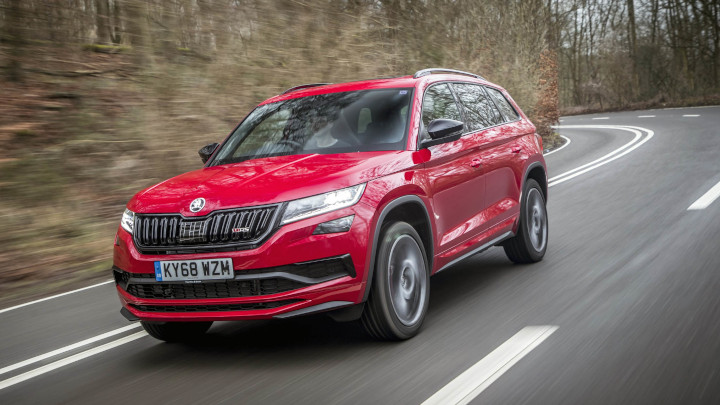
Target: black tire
(530,242)
(176,331)
(399,297)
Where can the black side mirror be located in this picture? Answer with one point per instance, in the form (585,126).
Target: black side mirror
(443,130)
(206,151)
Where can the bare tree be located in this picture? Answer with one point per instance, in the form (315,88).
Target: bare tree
(14,35)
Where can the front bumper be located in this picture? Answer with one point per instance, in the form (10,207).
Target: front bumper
(278,279)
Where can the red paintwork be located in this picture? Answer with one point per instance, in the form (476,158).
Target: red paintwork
(468,204)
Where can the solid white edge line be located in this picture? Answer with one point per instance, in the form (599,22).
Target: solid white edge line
(468,385)
(685,108)
(706,199)
(567,142)
(69,360)
(55,296)
(67,348)
(570,175)
(635,139)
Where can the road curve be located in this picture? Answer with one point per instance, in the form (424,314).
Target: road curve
(628,291)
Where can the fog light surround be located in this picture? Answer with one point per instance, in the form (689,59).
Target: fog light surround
(335,226)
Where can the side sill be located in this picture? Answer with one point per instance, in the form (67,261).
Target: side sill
(488,245)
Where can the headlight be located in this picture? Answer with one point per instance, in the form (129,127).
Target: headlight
(320,204)
(128,220)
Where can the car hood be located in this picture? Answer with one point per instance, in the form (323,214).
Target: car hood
(266,181)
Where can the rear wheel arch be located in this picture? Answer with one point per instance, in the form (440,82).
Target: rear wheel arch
(537,172)
(410,209)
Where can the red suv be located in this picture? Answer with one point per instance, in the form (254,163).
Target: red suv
(338,198)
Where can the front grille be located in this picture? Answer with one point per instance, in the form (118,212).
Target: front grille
(247,283)
(214,308)
(235,229)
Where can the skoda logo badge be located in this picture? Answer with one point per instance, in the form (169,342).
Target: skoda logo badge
(197,204)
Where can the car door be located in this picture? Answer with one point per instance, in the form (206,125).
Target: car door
(501,150)
(454,181)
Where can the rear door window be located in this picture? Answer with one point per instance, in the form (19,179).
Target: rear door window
(504,105)
(480,112)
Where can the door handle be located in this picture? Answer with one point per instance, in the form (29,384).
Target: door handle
(476,163)
(517,149)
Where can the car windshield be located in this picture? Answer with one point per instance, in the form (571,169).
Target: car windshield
(356,121)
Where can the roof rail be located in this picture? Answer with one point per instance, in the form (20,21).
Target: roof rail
(425,72)
(304,86)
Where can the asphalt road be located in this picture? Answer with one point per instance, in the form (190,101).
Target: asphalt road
(631,280)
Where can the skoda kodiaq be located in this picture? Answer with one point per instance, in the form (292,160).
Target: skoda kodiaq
(339,198)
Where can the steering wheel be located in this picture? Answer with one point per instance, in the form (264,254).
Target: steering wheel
(345,134)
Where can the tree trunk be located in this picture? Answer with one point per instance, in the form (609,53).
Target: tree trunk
(14,34)
(137,29)
(116,25)
(633,49)
(102,24)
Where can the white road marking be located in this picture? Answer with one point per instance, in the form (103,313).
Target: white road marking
(567,142)
(706,199)
(635,143)
(601,118)
(468,385)
(691,115)
(55,296)
(67,348)
(69,360)
(646,116)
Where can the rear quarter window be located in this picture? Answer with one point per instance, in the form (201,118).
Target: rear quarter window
(503,104)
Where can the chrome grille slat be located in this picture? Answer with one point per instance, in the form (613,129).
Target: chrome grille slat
(174,233)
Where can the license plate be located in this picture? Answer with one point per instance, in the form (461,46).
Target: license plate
(185,270)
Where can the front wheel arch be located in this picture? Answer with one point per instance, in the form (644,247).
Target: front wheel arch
(410,209)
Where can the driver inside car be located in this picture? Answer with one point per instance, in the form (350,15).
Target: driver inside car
(323,134)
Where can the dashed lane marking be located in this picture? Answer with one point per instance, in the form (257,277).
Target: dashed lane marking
(468,385)
(706,199)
